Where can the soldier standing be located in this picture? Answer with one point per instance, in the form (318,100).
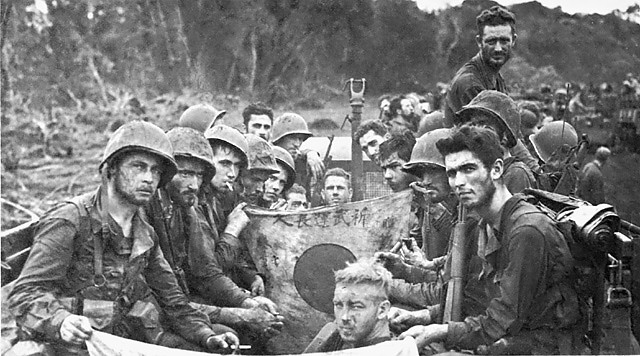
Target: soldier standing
(98,253)
(591,182)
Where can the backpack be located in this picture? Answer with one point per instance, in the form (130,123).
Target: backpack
(589,233)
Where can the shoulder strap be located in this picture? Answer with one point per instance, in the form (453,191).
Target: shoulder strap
(84,229)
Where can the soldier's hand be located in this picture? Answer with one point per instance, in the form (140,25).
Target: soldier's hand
(257,287)
(392,262)
(75,329)
(267,304)
(238,220)
(223,343)
(413,255)
(316,166)
(263,322)
(424,335)
(403,318)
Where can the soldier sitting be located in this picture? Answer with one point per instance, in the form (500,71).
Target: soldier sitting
(394,153)
(370,135)
(94,259)
(279,183)
(190,250)
(296,198)
(360,305)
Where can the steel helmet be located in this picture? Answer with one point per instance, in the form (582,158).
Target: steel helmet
(553,136)
(426,153)
(497,105)
(430,122)
(288,124)
(261,155)
(284,158)
(230,136)
(200,117)
(191,143)
(142,136)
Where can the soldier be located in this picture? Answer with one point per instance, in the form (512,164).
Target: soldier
(189,247)
(496,36)
(370,135)
(296,198)
(530,126)
(201,117)
(555,145)
(402,115)
(230,157)
(383,105)
(500,113)
(336,187)
(591,183)
(262,164)
(289,132)
(523,262)
(360,306)
(97,255)
(258,120)
(394,153)
(279,183)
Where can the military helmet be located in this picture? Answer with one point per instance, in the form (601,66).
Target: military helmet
(553,136)
(288,124)
(230,136)
(497,105)
(146,137)
(284,158)
(425,153)
(200,117)
(430,122)
(190,143)
(261,155)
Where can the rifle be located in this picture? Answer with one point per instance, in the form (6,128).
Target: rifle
(453,303)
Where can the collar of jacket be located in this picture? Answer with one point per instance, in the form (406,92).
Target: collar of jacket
(141,231)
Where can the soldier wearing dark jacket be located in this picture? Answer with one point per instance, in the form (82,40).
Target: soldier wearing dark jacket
(98,256)
(523,264)
(188,242)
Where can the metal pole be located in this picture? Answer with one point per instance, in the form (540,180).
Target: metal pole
(356,100)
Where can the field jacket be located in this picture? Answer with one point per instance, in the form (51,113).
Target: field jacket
(61,264)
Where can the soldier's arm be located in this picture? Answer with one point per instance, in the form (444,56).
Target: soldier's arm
(518,286)
(184,318)
(34,300)
(212,282)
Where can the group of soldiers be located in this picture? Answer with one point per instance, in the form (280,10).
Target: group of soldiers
(156,253)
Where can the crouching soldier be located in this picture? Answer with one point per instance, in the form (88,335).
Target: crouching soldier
(190,250)
(92,257)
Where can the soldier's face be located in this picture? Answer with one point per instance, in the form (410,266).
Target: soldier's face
(184,186)
(435,181)
(496,44)
(336,190)
(370,144)
(292,144)
(472,182)
(407,107)
(228,163)
(136,178)
(296,201)
(358,308)
(253,184)
(396,178)
(260,125)
(274,185)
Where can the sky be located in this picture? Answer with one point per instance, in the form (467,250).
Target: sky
(571,6)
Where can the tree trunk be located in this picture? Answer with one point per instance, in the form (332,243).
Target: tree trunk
(254,61)
(5,85)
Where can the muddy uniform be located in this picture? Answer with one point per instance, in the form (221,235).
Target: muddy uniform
(329,339)
(231,253)
(518,285)
(189,245)
(61,264)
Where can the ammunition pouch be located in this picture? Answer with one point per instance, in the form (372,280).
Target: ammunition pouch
(143,320)
(102,314)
